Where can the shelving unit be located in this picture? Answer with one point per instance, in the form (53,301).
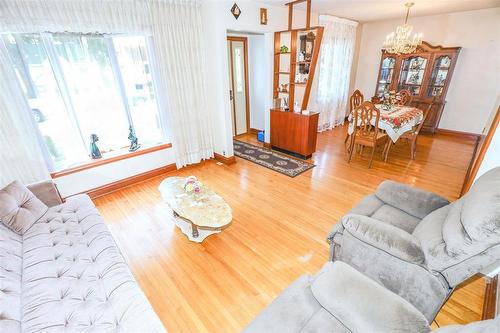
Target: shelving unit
(295,132)
(287,64)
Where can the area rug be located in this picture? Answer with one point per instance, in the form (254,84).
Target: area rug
(278,162)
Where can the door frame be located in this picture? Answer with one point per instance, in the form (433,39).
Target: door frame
(247,95)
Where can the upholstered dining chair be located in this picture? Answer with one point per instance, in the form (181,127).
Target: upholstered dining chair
(405,97)
(366,134)
(354,101)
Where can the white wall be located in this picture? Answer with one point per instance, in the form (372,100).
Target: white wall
(476,80)
(217,19)
(492,158)
(95,177)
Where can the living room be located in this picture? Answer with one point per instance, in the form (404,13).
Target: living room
(132,199)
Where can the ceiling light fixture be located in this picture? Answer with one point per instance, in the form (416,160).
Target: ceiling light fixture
(399,42)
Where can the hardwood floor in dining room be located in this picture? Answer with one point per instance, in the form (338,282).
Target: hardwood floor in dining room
(278,231)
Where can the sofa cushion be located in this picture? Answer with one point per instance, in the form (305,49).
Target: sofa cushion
(11,249)
(75,278)
(19,208)
(480,213)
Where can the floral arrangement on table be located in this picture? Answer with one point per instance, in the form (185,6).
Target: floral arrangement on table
(391,98)
(192,185)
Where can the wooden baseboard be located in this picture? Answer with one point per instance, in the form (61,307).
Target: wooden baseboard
(458,133)
(490,299)
(119,184)
(254,130)
(226,160)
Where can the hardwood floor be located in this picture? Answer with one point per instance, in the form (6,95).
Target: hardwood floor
(278,231)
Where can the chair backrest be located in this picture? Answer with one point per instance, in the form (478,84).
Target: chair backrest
(355,100)
(426,113)
(405,97)
(376,100)
(366,118)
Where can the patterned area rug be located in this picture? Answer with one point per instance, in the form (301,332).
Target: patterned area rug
(278,162)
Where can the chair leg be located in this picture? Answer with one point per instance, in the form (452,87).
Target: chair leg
(389,145)
(413,148)
(371,156)
(346,138)
(351,149)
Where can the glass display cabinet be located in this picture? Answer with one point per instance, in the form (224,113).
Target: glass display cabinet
(426,73)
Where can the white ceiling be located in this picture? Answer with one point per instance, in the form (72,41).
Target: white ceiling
(374,10)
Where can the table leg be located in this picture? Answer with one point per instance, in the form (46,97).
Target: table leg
(195,230)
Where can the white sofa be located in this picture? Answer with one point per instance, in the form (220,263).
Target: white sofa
(60,269)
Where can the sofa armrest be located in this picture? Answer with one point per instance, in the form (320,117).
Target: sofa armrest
(47,192)
(413,201)
(363,305)
(385,237)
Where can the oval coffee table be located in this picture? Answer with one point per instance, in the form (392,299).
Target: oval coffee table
(198,216)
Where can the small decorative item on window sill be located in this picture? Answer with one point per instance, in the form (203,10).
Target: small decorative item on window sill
(236,11)
(95,153)
(263,16)
(134,145)
(284,49)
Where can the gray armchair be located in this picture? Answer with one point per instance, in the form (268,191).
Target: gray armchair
(417,244)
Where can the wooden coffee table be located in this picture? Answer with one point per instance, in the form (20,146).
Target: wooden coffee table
(198,216)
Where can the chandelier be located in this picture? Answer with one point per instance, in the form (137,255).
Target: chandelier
(400,42)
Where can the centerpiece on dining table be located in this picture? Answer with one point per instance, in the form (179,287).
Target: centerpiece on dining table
(391,98)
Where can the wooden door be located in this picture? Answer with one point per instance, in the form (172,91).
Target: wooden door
(238,80)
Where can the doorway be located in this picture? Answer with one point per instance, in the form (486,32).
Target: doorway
(237,49)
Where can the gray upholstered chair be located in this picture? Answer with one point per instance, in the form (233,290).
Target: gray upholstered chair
(417,244)
(340,299)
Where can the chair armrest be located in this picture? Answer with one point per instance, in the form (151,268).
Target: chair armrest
(385,237)
(47,192)
(413,201)
(363,305)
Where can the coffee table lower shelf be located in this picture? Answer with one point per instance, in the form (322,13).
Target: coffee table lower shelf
(194,232)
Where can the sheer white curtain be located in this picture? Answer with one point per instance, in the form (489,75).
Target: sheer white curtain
(334,70)
(175,26)
(183,74)
(21,155)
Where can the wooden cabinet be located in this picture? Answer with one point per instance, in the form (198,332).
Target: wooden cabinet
(294,132)
(426,73)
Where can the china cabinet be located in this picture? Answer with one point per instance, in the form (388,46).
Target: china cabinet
(426,73)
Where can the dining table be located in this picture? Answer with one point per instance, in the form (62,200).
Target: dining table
(394,120)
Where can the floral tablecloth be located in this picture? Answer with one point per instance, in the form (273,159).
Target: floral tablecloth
(396,121)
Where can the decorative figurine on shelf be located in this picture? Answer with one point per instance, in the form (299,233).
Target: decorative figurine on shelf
(301,56)
(95,153)
(285,104)
(283,49)
(134,145)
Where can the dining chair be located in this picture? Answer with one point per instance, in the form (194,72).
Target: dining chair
(405,97)
(376,100)
(365,133)
(354,101)
(412,135)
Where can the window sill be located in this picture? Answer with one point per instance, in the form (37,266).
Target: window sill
(109,158)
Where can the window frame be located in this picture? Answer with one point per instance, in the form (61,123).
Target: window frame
(60,79)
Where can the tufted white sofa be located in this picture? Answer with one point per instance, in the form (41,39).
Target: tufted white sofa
(65,272)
